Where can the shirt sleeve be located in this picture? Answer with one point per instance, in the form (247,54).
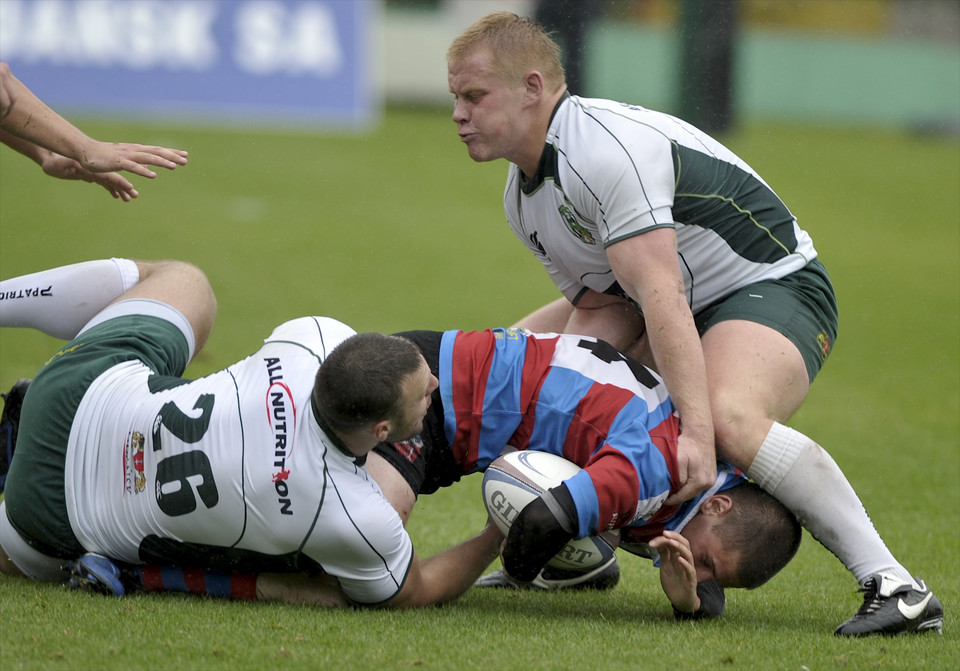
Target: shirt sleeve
(370,555)
(320,334)
(627,187)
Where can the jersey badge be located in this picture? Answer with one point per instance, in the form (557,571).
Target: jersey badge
(575,227)
(823,340)
(134,479)
(410,449)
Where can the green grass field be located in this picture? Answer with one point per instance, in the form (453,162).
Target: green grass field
(399,229)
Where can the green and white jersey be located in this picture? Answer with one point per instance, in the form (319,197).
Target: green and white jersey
(232,471)
(610,171)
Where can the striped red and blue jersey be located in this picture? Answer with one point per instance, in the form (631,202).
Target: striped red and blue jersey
(569,395)
(637,536)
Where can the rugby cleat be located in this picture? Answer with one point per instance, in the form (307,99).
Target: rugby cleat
(98,574)
(603,577)
(9,425)
(891,607)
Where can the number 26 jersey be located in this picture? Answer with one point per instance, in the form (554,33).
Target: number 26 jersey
(231,471)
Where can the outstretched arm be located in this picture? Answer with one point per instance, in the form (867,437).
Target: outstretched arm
(29,126)
(431,582)
(62,167)
(446,576)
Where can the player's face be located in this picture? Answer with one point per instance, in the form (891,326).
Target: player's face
(711,560)
(417,389)
(486,108)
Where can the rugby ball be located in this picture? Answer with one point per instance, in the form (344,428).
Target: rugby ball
(515,479)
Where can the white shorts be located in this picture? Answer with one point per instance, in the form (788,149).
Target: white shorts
(35,565)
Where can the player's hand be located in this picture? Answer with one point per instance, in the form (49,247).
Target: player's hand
(101,157)
(534,538)
(678,574)
(62,167)
(697,466)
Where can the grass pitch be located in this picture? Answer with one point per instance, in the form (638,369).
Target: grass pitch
(398,229)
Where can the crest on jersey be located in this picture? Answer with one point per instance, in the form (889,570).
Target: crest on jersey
(409,449)
(823,340)
(575,226)
(134,479)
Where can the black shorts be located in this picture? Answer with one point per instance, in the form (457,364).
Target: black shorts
(802,306)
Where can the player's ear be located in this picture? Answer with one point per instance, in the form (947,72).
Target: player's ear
(533,84)
(381,429)
(717,505)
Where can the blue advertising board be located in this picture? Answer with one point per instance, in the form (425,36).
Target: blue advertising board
(273,62)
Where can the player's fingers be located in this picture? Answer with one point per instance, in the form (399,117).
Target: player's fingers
(136,167)
(178,156)
(665,543)
(658,542)
(118,185)
(706,475)
(116,193)
(685,493)
(158,156)
(111,180)
(148,158)
(133,158)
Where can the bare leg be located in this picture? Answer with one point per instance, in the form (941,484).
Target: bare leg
(182,286)
(753,391)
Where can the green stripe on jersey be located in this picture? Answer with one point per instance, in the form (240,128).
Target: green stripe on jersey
(734,203)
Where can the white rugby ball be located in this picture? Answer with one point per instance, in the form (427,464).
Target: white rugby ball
(515,479)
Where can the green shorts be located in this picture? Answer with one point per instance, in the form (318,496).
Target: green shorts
(34,494)
(802,306)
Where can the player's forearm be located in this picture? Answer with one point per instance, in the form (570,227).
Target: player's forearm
(646,267)
(676,348)
(301,589)
(30,119)
(32,151)
(451,573)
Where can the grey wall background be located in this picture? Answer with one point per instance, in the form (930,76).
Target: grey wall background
(861,62)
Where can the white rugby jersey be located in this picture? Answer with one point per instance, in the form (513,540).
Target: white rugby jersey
(611,171)
(234,464)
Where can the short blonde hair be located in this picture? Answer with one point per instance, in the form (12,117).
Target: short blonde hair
(517,45)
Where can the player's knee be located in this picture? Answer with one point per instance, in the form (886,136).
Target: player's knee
(189,272)
(738,430)
(185,287)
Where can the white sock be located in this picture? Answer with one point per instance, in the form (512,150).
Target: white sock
(60,301)
(801,475)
